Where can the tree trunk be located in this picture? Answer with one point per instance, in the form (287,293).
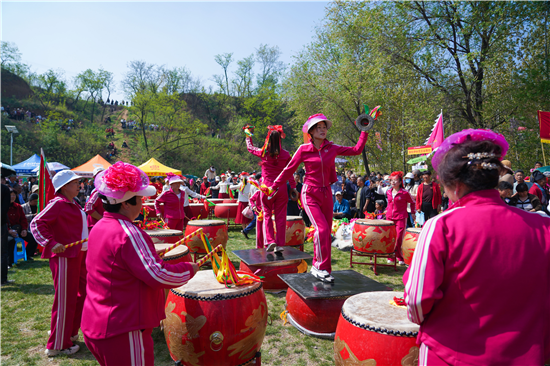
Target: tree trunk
(365,162)
(104,106)
(144,134)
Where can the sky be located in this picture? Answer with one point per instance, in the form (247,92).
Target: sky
(75,36)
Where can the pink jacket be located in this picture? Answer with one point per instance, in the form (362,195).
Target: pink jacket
(62,221)
(173,206)
(479,283)
(125,282)
(319,164)
(271,167)
(397,208)
(93,204)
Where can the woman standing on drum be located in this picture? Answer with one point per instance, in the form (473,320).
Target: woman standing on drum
(125,283)
(398,198)
(274,159)
(318,157)
(479,282)
(173,209)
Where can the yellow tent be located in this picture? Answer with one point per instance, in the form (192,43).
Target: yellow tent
(153,168)
(86,169)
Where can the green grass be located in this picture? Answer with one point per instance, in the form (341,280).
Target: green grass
(26,309)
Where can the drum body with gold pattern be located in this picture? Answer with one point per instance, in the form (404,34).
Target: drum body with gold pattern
(371,331)
(295,230)
(215,230)
(374,236)
(270,272)
(409,244)
(209,324)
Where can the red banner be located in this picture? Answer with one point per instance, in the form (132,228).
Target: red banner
(46,190)
(420,150)
(544,123)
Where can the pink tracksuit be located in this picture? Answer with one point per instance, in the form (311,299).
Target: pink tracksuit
(172,211)
(63,221)
(125,292)
(397,212)
(316,192)
(479,284)
(271,168)
(93,204)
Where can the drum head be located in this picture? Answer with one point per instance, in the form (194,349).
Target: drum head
(373,309)
(164,232)
(180,250)
(294,218)
(204,286)
(374,222)
(414,230)
(206,223)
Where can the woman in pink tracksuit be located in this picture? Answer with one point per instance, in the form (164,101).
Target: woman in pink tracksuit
(173,209)
(274,159)
(318,157)
(479,282)
(125,283)
(398,198)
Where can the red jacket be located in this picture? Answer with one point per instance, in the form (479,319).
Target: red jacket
(93,204)
(271,167)
(397,207)
(318,163)
(16,216)
(173,206)
(204,187)
(436,199)
(479,283)
(62,221)
(125,279)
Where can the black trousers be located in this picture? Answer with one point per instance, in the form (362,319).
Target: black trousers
(428,210)
(5,256)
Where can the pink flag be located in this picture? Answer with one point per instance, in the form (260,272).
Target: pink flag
(437,136)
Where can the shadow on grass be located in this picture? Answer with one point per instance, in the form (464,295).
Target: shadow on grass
(24,265)
(29,289)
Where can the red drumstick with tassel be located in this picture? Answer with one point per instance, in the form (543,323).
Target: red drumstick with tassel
(209,255)
(76,243)
(180,242)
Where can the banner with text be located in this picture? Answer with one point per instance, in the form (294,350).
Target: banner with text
(420,150)
(544,123)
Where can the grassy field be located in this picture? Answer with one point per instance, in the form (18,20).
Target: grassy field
(26,309)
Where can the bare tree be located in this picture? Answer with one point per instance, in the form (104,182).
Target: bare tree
(224,60)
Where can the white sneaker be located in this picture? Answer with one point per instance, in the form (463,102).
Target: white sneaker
(401,263)
(322,275)
(279,249)
(73,338)
(390,261)
(270,247)
(67,351)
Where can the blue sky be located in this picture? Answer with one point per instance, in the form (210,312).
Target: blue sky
(75,36)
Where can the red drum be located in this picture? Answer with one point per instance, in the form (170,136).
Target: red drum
(198,211)
(372,332)
(177,255)
(295,231)
(229,200)
(209,324)
(226,210)
(409,244)
(317,316)
(270,271)
(168,236)
(215,231)
(215,201)
(374,236)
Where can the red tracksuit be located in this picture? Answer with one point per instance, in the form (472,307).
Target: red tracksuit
(125,292)
(63,221)
(316,193)
(93,204)
(271,168)
(172,211)
(397,212)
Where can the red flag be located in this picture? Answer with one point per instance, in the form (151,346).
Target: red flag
(544,123)
(46,191)
(437,136)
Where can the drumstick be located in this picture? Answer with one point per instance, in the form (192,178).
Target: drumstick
(180,242)
(207,200)
(76,243)
(209,255)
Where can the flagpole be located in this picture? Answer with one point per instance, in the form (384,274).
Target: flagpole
(543,156)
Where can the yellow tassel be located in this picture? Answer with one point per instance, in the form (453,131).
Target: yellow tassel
(302,267)
(283,317)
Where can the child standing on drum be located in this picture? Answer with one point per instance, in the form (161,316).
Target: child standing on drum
(318,157)
(398,198)
(274,159)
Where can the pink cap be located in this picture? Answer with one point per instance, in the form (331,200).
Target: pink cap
(313,120)
(122,181)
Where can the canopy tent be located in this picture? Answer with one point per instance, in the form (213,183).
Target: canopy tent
(7,170)
(86,169)
(54,167)
(26,167)
(153,168)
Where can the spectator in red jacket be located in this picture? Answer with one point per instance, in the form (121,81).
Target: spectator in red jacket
(17,224)
(540,189)
(428,196)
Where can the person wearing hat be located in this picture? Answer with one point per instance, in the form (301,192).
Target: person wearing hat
(243,188)
(222,186)
(213,188)
(170,205)
(204,185)
(274,159)
(125,283)
(94,206)
(210,174)
(540,189)
(186,208)
(60,223)
(341,209)
(498,294)
(318,157)
(506,173)
(428,196)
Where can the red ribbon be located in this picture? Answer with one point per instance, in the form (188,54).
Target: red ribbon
(270,129)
